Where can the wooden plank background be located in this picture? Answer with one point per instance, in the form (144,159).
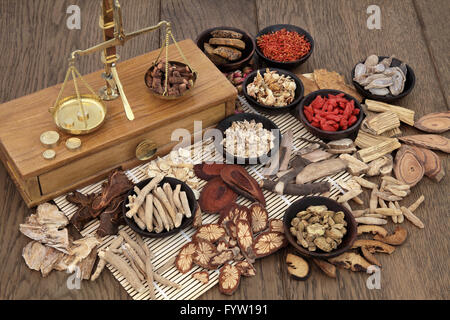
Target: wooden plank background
(36,44)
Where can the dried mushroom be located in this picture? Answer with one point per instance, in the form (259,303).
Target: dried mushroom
(229,279)
(215,196)
(184,259)
(369,256)
(372,229)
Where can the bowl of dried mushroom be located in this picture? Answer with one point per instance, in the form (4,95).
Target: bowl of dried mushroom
(319,227)
(159,207)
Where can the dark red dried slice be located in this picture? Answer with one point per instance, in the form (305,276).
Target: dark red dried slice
(260,217)
(246,268)
(204,251)
(231,229)
(229,279)
(210,232)
(184,259)
(221,258)
(202,276)
(241,213)
(267,243)
(208,171)
(227,214)
(244,236)
(276,225)
(242,182)
(215,196)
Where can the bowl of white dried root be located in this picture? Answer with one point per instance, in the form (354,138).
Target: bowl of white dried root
(159,207)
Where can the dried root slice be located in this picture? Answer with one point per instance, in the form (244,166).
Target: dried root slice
(230,228)
(428,141)
(379,231)
(244,236)
(185,257)
(208,171)
(246,268)
(215,196)
(326,267)
(412,218)
(369,256)
(407,166)
(238,179)
(434,169)
(202,276)
(209,232)
(375,166)
(198,217)
(229,279)
(405,115)
(267,243)
(220,259)
(222,245)
(297,267)
(227,214)
(371,220)
(259,217)
(204,251)
(380,123)
(374,246)
(437,122)
(350,260)
(365,183)
(395,239)
(354,166)
(416,203)
(241,213)
(276,225)
(374,152)
(365,140)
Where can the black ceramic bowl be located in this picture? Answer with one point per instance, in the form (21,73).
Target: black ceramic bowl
(350,132)
(298,91)
(409,84)
(290,64)
(267,124)
(247,53)
(332,205)
(185,222)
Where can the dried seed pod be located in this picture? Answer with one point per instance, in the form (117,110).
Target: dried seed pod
(350,260)
(221,258)
(229,279)
(395,239)
(276,225)
(204,251)
(297,267)
(267,243)
(238,179)
(208,171)
(246,268)
(209,232)
(202,276)
(244,236)
(260,217)
(184,259)
(215,196)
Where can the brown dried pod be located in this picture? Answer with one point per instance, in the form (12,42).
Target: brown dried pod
(374,246)
(209,232)
(246,268)
(242,182)
(260,217)
(229,279)
(204,251)
(276,225)
(215,196)
(326,267)
(267,243)
(208,171)
(350,260)
(184,259)
(221,258)
(244,236)
(202,276)
(297,267)
(395,239)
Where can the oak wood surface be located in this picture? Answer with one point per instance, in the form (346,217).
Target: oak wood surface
(412,30)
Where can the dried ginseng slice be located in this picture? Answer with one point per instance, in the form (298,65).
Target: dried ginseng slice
(202,276)
(208,171)
(215,196)
(221,258)
(229,279)
(184,259)
(244,236)
(276,225)
(246,268)
(204,251)
(260,217)
(267,243)
(210,232)
(242,182)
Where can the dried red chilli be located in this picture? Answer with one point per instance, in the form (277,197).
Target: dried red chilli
(284,45)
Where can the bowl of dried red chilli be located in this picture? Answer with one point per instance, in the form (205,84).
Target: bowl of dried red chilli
(330,114)
(284,46)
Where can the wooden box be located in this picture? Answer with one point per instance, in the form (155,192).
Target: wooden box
(114,144)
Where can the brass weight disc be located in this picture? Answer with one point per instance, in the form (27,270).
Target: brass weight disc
(73,144)
(49,154)
(49,139)
(145,150)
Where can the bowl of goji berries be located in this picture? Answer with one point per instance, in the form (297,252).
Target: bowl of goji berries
(330,114)
(284,46)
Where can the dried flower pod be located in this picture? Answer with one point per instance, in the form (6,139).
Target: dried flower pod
(215,196)
(246,268)
(260,217)
(184,259)
(267,243)
(221,258)
(395,239)
(208,171)
(350,260)
(204,251)
(244,236)
(209,232)
(238,179)
(276,225)
(297,267)
(202,276)
(229,279)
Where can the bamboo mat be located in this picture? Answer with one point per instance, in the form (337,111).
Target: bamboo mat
(166,248)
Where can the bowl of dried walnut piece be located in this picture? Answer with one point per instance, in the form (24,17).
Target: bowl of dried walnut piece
(319,227)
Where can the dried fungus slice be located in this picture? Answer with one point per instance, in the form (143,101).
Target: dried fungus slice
(267,243)
(202,276)
(237,178)
(246,268)
(297,267)
(215,196)
(184,259)
(276,225)
(204,251)
(244,236)
(229,279)
(221,258)
(395,239)
(374,246)
(260,217)
(210,232)
(350,260)
(208,171)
